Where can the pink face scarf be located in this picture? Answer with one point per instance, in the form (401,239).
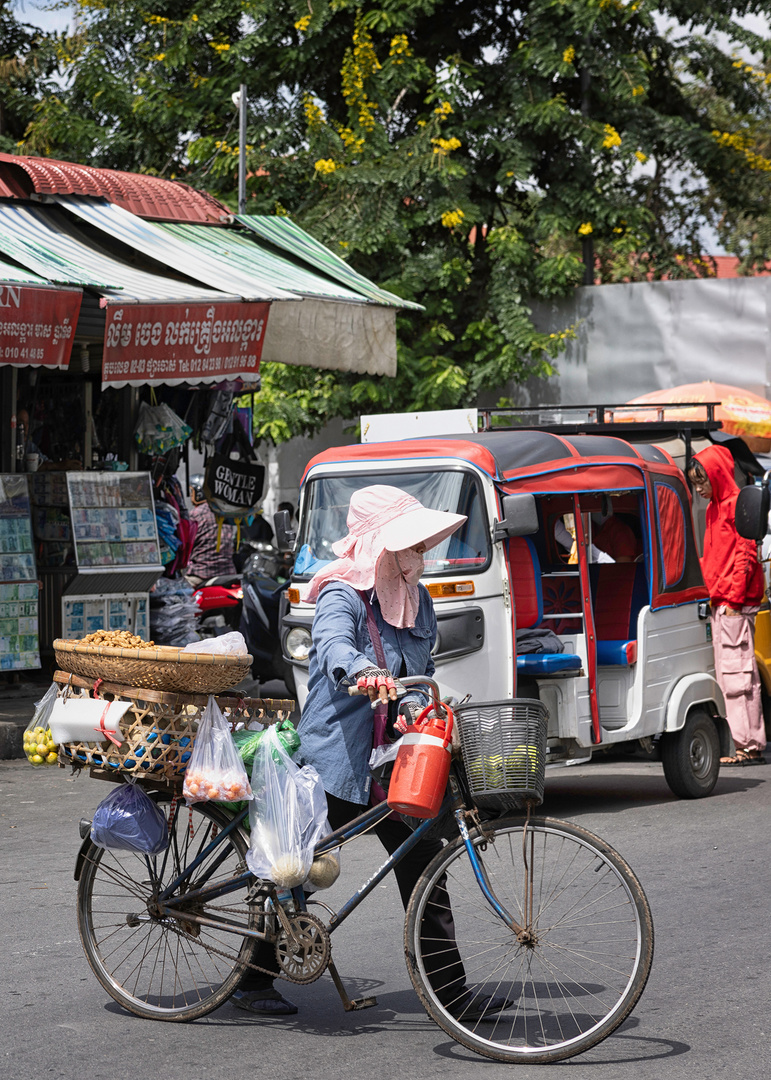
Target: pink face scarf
(365,563)
(396,583)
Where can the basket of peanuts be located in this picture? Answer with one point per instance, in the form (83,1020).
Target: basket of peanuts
(121,657)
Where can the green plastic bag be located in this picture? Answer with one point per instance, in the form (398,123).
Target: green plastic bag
(247,742)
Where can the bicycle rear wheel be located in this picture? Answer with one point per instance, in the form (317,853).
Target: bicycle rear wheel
(582,974)
(164,968)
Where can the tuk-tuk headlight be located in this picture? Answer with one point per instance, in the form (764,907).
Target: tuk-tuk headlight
(298,643)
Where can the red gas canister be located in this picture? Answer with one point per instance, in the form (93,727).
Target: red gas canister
(422,766)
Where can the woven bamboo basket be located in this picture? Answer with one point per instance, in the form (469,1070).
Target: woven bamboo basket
(158,730)
(157,668)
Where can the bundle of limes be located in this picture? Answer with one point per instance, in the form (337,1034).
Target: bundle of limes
(39,746)
(495,771)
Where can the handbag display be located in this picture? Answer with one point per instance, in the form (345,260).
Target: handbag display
(233,486)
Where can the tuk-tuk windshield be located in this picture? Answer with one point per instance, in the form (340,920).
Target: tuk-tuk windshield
(325,510)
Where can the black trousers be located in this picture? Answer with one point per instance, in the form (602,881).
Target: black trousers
(444,966)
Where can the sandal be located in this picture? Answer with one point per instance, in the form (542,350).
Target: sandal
(263,1002)
(744,757)
(486,1007)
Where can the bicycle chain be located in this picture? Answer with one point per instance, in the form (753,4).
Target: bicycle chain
(228,956)
(287,929)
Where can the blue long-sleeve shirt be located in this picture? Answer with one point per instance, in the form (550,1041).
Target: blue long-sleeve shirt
(336,729)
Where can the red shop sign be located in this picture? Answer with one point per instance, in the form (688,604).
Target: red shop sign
(173,343)
(37,326)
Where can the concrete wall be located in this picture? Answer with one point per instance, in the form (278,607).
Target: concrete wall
(636,338)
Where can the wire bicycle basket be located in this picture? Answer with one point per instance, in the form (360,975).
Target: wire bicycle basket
(504,751)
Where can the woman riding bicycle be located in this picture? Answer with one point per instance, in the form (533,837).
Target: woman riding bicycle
(374,623)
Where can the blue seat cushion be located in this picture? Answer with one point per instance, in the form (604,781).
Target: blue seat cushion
(547,663)
(616,653)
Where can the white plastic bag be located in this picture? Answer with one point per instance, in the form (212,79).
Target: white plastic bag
(40,747)
(232,644)
(215,772)
(287,817)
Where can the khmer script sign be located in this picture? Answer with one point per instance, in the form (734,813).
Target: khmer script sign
(37,325)
(176,343)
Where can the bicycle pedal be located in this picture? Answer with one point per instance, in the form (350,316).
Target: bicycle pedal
(354,1004)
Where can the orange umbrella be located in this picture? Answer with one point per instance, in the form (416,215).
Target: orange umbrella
(741,412)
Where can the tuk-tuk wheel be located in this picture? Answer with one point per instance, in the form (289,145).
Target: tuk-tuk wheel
(691,756)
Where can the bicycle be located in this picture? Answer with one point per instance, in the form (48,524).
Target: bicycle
(546,915)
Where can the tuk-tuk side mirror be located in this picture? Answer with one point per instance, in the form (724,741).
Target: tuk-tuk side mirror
(520,517)
(285,534)
(752,506)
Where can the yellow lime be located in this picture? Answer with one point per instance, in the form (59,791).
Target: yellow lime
(521,757)
(52,758)
(36,759)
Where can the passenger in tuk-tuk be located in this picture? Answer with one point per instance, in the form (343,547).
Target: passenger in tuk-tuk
(616,539)
(734,579)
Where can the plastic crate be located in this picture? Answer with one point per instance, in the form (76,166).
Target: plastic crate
(504,751)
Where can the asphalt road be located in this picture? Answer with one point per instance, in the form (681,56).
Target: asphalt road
(704,865)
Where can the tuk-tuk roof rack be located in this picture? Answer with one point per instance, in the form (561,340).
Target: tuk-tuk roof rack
(607,420)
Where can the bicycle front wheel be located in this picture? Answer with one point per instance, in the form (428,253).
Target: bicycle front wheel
(164,968)
(572,984)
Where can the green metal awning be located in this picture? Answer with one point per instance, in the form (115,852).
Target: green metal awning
(16,275)
(27,238)
(287,236)
(245,251)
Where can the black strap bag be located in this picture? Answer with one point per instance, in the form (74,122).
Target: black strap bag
(233,486)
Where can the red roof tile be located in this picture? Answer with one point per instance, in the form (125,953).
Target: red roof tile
(146,196)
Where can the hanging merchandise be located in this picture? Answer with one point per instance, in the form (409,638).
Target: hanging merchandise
(218,418)
(159,429)
(233,486)
(167,520)
(173,612)
(176,531)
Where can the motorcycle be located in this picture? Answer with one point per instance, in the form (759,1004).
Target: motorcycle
(251,602)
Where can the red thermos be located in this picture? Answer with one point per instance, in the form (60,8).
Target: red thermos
(422,766)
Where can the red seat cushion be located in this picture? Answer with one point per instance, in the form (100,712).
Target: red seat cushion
(525,577)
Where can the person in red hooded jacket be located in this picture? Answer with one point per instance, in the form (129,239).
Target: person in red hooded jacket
(734,579)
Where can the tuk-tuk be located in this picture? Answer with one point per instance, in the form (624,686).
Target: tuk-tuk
(635,668)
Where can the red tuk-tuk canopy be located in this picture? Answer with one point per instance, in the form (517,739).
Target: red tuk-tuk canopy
(543,463)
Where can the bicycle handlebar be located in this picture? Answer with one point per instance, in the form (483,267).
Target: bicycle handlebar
(405,684)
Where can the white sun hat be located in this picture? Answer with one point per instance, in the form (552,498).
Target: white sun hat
(419,525)
(381,518)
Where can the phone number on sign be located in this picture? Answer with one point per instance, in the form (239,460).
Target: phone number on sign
(197,365)
(16,352)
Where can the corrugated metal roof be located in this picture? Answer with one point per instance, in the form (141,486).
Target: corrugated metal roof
(247,252)
(190,259)
(147,196)
(46,236)
(290,237)
(32,251)
(14,274)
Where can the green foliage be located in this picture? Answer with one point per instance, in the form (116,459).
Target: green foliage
(25,66)
(471,156)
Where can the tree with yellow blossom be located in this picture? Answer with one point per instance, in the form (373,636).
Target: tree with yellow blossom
(474,157)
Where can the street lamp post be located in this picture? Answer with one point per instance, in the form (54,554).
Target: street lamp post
(242,149)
